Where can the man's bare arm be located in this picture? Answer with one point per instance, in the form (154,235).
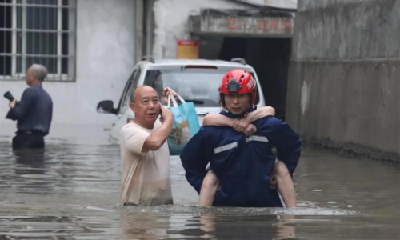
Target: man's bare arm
(159,136)
(222,121)
(242,125)
(216,119)
(260,113)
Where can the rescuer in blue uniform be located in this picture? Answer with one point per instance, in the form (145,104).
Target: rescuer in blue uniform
(243,164)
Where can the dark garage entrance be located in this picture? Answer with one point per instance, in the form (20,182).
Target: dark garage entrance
(263,40)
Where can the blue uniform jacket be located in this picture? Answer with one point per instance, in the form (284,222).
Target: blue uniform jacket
(242,163)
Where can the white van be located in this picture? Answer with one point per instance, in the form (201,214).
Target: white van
(195,81)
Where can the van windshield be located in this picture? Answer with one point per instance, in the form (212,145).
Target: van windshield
(199,86)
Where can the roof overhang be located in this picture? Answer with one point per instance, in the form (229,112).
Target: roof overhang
(243,24)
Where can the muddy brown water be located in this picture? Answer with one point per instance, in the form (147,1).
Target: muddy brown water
(71,191)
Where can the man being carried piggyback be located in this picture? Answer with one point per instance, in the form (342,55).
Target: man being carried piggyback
(243,169)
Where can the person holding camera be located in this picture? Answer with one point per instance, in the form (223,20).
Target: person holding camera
(33,112)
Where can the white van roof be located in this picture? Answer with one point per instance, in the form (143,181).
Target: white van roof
(195,62)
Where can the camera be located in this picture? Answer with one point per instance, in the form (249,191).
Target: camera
(9,96)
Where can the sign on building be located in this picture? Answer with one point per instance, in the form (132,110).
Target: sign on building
(242,24)
(188,49)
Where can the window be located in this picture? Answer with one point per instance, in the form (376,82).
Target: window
(199,86)
(37,31)
(154,79)
(195,85)
(130,86)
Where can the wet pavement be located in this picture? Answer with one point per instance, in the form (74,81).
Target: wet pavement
(71,191)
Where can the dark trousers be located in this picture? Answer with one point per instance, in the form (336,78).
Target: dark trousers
(28,139)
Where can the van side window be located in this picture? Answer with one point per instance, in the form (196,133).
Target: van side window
(153,79)
(131,85)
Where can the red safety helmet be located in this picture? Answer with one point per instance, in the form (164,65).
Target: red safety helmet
(241,82)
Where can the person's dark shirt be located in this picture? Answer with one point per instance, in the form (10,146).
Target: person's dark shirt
(34,112)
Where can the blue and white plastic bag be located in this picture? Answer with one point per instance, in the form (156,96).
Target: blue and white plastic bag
(186,124)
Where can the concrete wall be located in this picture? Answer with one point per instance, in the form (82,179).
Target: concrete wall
(144,29)
(291,4)
(344,79)
(171,22)
(104,53)
(312,4)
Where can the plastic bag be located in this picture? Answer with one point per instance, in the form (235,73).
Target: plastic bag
(186,124)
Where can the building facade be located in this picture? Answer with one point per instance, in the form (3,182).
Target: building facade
(86,45)
(91,46)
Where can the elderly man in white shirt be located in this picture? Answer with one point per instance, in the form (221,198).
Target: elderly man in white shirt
(145,153)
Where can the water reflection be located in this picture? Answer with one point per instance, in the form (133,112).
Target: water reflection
(34,157)
(144,226)
(39,227)
(206,226)
(30,172)
(80,223)
(59,225)
(240,227)
(60,169)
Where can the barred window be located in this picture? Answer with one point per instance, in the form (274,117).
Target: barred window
(37,31)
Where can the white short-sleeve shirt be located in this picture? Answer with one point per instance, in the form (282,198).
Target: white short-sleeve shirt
(145,175)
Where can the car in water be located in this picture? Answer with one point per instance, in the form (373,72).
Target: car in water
(194,80)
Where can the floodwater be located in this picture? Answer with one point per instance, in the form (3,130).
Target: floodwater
(71,191)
